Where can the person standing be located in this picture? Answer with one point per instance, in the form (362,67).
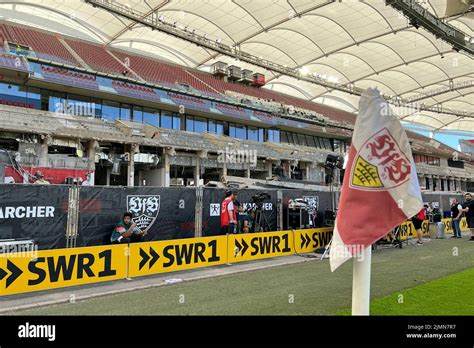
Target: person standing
(417,221)
(239,212)
(468,209)
(228,216)
(456,211)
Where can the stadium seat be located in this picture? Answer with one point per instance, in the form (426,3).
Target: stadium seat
(45,46)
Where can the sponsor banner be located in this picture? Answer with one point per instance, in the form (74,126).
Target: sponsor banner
(162,213)
(252,246)
(176,255)
(449,225)
(50,269)
(407,230)
(34,212)
(307,241)
(463,225)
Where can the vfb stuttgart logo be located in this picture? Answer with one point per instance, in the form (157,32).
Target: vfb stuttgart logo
(380,164)
(145,209)
(313,204)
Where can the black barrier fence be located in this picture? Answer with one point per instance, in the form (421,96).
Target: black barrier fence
(163,213)
(34,212)
(43,213)
(211,207)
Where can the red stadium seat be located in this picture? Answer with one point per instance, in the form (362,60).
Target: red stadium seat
(97,57)
(46,46)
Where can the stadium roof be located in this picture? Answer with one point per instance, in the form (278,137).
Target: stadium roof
(347,43)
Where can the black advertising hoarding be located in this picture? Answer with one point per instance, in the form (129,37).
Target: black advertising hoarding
(321,200)
(36,212)
(212,198)
(163,213)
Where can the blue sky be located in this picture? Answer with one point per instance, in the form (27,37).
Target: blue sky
(446,138)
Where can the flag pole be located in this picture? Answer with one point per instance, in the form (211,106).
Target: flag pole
(361,283)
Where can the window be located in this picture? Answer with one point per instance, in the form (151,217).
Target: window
(33,96)
(327,143)
(12,93)
(79,105)
(237,131)
(211,126)
(216,127)
(200,125)
(137,114)
(219,127)
(97,107)
(261,134)
(110,110)
(252,133)
(190,123)
(166,120)
(151,116)
(455,164)
(291,139)
(125,112)
(301,140)
(274,135)
(284,137)
(176,121)
(310,141)
(196,124)
(56,101)
(240,132)
(427,182)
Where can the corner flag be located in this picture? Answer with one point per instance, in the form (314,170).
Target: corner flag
(380,188)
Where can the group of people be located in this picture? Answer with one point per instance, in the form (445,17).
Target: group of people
(235,220)
(233,217)
(457,212)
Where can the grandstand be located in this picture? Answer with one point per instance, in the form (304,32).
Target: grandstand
(120,85)
(160,108)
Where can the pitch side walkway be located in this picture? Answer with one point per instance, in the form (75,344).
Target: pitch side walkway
(10,304)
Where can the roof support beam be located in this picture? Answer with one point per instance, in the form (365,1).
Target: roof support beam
(273,25)
(157,24)
(131,25)
(419,16)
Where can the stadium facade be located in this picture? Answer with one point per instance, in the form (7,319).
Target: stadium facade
(79,111)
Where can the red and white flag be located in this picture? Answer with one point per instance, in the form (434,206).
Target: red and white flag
(380,188)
